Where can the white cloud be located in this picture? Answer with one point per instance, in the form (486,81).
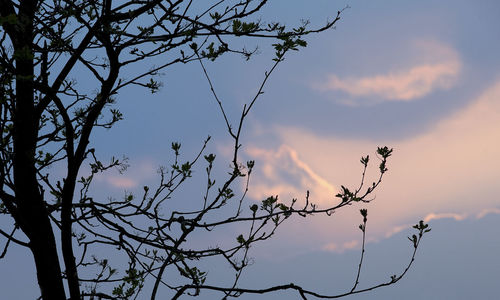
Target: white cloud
(438,68)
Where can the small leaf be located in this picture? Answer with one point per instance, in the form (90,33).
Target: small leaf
(210,158)
(364,160)
(240,239)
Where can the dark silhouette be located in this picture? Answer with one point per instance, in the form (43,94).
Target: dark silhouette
(47,119)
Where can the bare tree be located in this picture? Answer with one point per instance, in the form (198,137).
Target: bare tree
(47,119)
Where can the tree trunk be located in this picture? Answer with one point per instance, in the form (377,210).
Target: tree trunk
(35,221)
(33,216)
(43,247)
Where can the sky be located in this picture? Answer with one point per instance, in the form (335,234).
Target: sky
(421,77)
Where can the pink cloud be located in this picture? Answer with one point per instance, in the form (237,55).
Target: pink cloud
(438,70)
(391,231)
(488,211)
(452,167)
(404,85)
(340,248)
(456,217)
(139,172)
(121,182)
(277,169)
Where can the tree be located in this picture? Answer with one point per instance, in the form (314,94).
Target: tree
(47,119)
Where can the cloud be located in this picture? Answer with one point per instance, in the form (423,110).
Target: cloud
(452,167)
(439,70)
(355,244)
(340,248)
(429,217)
(488,211)
(139,172)
(439,216)
(282,173)
(121,182)
(433,216)
(404,85)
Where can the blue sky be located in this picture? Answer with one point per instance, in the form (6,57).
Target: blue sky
(420,76)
